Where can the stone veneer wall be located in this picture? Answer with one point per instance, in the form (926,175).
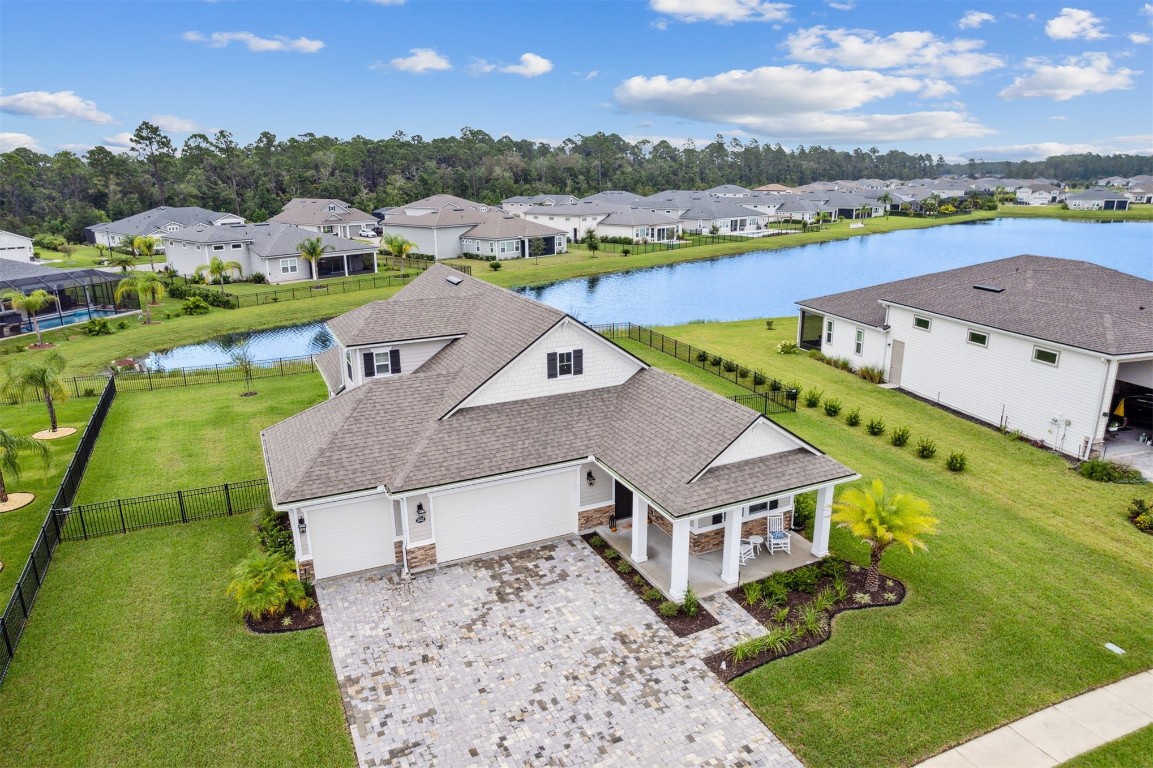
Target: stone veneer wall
(715,539)
(422,557)
(398,552)
(594,518)
(305,571)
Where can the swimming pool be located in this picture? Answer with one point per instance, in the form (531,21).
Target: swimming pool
(71,317)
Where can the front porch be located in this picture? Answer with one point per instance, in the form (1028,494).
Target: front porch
(704,569)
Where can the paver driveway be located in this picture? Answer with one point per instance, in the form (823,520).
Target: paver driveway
(539,657)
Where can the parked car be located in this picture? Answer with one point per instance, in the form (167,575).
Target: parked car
(367,232)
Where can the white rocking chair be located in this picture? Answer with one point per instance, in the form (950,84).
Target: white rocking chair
(778,538)
(747,553)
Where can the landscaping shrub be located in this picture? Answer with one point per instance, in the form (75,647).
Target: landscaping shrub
(611,554)
(804,579)
(275,535)
(626,251)
(265,584)
(926,448)
(775,385)
(97,326)
(650,594)
(812,621)
(753,591)
(875,427)
(691,603)
(194,305)
(759,379)
(624,567)
(122,324)
(781,615)
(832,407)
(831,567)
(957,461)
(853,417)
(596,542)
(715,360)
(258,278)
(788,348)
(1105,471)
(899,437)
(872,373)
(825,599)
(730,366)
(747,649)
(702,356)
(1141,515)
(638,580)
(743,373)
(804,507)
(494,266)
(668,608)
(813,397)
(779,638)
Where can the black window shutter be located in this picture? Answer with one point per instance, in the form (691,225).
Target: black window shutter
(369,365)
(578,362)
(552,365)
(394,360)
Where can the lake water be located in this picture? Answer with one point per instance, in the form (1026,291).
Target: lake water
(761,283)
(766,283)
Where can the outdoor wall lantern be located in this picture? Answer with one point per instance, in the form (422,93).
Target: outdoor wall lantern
(590,478)
(420,512)
(301,525)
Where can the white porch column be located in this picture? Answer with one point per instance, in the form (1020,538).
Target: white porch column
(821,520)
(679,570)
(731,561)
(346,265)
(640,528)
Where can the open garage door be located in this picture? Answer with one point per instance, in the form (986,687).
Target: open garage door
(503,515)
(351,537)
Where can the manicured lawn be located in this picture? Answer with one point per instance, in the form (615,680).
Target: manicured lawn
(1135,213)
(190,437)
(19,528)
(134,657)
(1130,751)
(1034,569)
(84,256)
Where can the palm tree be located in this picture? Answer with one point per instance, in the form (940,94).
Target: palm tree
(822,219)
(122,260)
(147,286)
(30,304)
(881,520)
(397,247)
(887,200)
(312,250)
(217,268)
(145,246)
(865,210)
(40,377)
(11,446)
(129,242)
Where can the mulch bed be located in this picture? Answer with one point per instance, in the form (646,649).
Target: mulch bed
(722,664)
(296,620)
(681,625)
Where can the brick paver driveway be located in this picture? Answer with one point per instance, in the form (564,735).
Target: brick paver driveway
(540,657)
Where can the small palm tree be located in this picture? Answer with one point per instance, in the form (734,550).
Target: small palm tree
(822,219)
(147,286)
(397,247)
(265,584)
(40,377)
(217,268)
(881,520)
(30,304)
(11,446)
(129,242)
(312,250)
(864,210)
(887,200)
(122,260)
(146,247)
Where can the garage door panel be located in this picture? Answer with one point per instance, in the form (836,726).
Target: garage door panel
(505,515)
(351,537)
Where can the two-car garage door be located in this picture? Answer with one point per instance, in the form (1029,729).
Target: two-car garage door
(504,515)
(351,537)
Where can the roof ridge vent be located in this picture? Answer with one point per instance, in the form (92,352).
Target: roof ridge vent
(989,288)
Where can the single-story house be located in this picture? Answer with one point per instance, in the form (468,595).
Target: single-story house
(1098,200)
(157,223)
(1041,345)
(16,247)
(465,419)
(325,216)
(448,227)
(269,248)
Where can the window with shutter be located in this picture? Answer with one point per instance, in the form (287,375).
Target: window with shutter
(394,361)
(369,365)
(578,362)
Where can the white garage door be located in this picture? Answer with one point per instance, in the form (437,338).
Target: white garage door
(505,515)
(351,537)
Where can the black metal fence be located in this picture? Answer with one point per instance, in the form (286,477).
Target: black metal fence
(15,616)
(693,240)
(770,395)
(88,521)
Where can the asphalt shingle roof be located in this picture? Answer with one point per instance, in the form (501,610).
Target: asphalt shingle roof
(268,241)
(313,212)
(153,219)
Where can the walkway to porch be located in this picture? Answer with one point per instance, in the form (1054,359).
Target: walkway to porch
(704,569)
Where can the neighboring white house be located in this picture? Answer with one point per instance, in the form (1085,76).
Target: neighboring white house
(157,222)
(517,204)
(15,247)
(1098,200)
(270,249)
(448,227)
(325,216)
(1041,345)
(465,419)
(1038,193)
(607,219)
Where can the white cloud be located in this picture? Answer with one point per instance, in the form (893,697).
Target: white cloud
(59,104)
(794,101)
(173,124)
(905,52)
(1124,145)
(1059,118)
(1076,76)
(722,11)
(590,75)
(480,66)
(122,140)
(974,19)
(421,60)
(255,43)
(78,149)
(530,65)
(387,2)
(11,141)
(1147,9)
(1072,24)
(848,5)
(1139,38)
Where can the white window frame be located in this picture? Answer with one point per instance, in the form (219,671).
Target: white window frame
(928,323)
(1055,353)
(859,342)
(218,247)
(326,229)
(828,331)
(560,353)
(289,266)
(386,369)
(237,246)
(970,333)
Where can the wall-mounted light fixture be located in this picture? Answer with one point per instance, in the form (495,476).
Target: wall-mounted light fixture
(590,478)
(420,512)
(301,525)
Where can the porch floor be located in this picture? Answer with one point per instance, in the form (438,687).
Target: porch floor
(704,569)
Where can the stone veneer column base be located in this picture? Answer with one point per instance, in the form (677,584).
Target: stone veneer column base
(398,552)
(423,557)
(590,519)
(305,571)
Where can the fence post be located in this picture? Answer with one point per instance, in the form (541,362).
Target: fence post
(123,525)
(217,366)
(83,527)
(55,521)
(149,370)
(227,500)
(184,376)
(20,594)
(75,386)
(281,371)
(180,498)
(7,640)
(32,562)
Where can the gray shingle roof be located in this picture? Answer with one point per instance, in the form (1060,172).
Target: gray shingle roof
(656,430)
(329,364)
(1064,301)
(314,212)
(268,241)
(151,220)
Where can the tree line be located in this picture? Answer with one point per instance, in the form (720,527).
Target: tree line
(64,192)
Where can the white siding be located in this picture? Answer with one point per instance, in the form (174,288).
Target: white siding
(844,341)
(1137,373)
(15,247)
(350,536)
(1001,383)
(762,439)
(413,354)
(442,242)
(598,494)
(419,533)
(527,376)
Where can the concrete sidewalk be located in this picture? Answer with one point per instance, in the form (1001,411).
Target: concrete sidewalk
(1060,732)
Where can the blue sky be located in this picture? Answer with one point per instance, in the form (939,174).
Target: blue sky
(1016,80)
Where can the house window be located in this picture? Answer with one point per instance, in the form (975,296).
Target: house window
(568,362)
(859,342)
(560,242)
(289,266)
(332,208)
(386,363)
(327,229)
(923,323)
(510,246)
(1046,356)
(218,247)
(828,331)
(237,246)
(978,338)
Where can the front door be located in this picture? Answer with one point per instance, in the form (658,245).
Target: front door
(623,499)
(896,362)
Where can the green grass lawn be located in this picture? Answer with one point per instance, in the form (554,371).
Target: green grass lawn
(1135,213)
(1130,751)
(1034,569)
(19,528)
(134,657)
(83,256)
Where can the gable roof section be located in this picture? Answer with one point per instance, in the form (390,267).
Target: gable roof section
(381,322)
(269,240)
(314,212)
(156,218)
